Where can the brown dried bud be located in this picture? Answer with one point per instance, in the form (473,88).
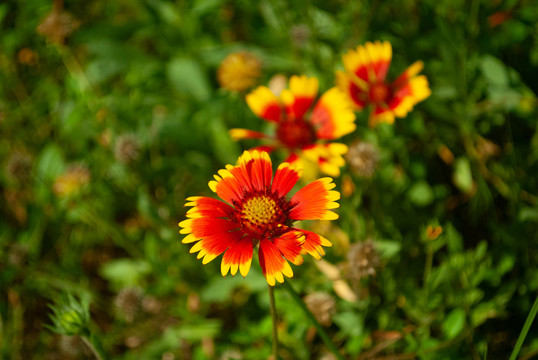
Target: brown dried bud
(127,148)
(322,305)
(129,302)
(363,158)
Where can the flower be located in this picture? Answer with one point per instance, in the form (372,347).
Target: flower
(432,232)
(239,71)
(301,131)
(256,213)
(364,83)
(70,182)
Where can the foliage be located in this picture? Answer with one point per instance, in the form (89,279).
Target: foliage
(112,118)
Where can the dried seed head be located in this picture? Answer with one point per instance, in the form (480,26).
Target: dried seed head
(363,158)
(57,26)
(127,148)
(363,260)
(73,346)
(300,35)
(322,305)
(128,302)
(239,71)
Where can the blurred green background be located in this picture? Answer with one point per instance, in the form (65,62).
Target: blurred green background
(111,115)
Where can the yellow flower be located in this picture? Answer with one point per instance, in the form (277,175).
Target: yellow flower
(239,71)
(71,181)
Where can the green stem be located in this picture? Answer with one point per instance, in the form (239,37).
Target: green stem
(330,345)
(525,330)
(275,323)
(94,343)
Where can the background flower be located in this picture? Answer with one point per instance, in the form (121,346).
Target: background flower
(364,83)
(303,126)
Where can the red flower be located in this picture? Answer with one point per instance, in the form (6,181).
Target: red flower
(364,83)
(302,131)
(255,212)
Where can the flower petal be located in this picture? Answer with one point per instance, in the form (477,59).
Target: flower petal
(313,201)
(313,244)
(300,96)
(357,95)
(264,104)
(238,256)
(369,63)
(274,266)
(328,157)
(286,177)
(333,116)
(207,207)
(238,134)
(290,246)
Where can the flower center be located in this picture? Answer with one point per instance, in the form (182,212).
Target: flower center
(259,211)
(263,215)
(378,93)
(295,133)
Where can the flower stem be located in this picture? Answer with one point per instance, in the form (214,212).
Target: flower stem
(94,343)
(525,330)
(275,323)
(328,342)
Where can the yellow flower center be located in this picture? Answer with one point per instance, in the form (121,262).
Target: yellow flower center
(259,211)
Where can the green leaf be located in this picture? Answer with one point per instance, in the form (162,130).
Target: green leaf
(50,163)
(494,70)
(462,176)
(187,76)
(124,272)
(454,323)
(421,193)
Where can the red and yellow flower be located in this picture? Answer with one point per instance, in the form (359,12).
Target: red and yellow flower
(364,83)
(255,213)
(302,127)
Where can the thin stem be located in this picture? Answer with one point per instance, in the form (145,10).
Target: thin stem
(273,316)
(330,345)
(525,330)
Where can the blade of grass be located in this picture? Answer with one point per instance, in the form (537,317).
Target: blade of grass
(525,330)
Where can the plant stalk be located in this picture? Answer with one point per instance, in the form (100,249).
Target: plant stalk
(328,342)
(275,321)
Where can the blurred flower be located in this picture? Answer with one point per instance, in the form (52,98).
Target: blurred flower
(433,233)
(363,81)
(486,148)
(239,71)
(27,56)
(70,182)
(363,158)
(445,154)
(300,131)
(128,302)
(231,354)
(257,213)
(499,18)
(348,186)
(127,148)
(70,316)
(19,166)
(277,84)
(363,260)
(300,34)
(322,306)
(57,26)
